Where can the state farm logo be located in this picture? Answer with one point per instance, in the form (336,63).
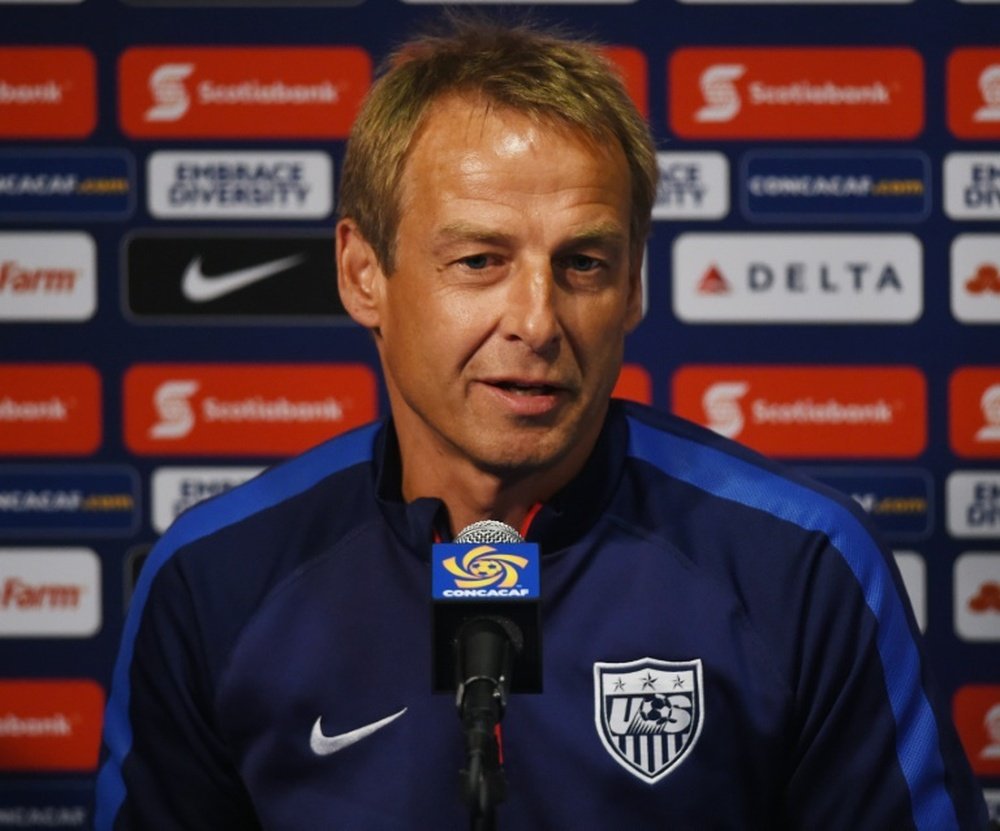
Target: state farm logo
(974,503)
(692,186)
(48,725)
(47,276)
(266,410)
(974,93)
(809,412)
(52,592)
(798,278)
(974,409)
(47,92)
(972,186)
(241,92)
(175,489)
(796,93)
(49,409)
(977,596)
(975,278)
(240,185)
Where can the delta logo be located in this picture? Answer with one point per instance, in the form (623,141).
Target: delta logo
(974,410)
(49,410)
(47,92)
(973,82)
(246,410)
(242,92)
(796,93)
(50,725)
(809,411)
(976,712)
(797,278)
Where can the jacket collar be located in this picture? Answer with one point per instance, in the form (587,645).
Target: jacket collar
(559,523)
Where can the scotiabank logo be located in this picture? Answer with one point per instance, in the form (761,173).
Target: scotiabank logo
(631,65)
(974,405)
(634,384)
(976,709)
(50,725)
(796,93)
(974,93)
(49,409)
(47,92)
(809,412)
(248,410)
(237,92)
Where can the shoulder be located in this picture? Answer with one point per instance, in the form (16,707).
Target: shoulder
(222,557)
(685,456)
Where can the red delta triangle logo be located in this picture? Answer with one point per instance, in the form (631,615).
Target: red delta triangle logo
(649,713)
(713,282)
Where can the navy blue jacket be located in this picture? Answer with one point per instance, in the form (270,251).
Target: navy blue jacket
(725,647)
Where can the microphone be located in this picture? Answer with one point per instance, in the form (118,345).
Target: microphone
(486,643)
(488,573)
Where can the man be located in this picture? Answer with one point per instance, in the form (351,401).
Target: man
(725,645)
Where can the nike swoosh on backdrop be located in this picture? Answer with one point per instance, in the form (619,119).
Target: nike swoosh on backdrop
(199,288)
(325,745)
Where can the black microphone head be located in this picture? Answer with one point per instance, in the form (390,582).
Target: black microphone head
(488,531)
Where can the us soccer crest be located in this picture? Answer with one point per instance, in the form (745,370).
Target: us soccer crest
(649,713)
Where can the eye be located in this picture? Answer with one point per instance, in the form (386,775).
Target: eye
(582,262)
(476,262)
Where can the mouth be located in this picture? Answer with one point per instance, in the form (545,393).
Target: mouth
(526,388)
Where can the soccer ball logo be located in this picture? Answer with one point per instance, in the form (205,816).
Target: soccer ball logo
(655,710)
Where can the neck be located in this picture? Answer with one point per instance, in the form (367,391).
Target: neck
(471,494)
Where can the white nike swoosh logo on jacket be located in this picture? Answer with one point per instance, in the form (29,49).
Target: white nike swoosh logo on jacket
(198,288)
(325,745)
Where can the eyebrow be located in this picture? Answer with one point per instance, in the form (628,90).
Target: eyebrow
(598,233)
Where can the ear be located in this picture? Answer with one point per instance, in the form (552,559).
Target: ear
(633,307)
(359,276)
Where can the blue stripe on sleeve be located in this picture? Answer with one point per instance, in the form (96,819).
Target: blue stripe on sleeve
(740,481)
(268,489)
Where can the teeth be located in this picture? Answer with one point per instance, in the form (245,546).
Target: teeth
(526,389)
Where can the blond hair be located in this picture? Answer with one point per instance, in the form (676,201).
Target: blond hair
(542,74)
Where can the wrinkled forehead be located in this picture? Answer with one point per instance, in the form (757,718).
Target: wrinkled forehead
(469,114)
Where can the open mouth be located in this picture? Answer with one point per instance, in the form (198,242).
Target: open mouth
(526,389)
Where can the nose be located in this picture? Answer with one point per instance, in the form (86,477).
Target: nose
(530,313)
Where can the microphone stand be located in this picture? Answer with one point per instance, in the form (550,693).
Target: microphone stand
(485,646)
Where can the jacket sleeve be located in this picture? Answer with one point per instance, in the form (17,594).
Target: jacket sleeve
(874,748)
(166,767)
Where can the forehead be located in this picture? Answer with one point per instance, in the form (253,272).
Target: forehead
(456,128)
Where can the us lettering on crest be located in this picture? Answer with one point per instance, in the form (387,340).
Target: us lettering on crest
(649,713)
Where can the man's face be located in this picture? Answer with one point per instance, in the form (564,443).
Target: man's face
(501,331)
